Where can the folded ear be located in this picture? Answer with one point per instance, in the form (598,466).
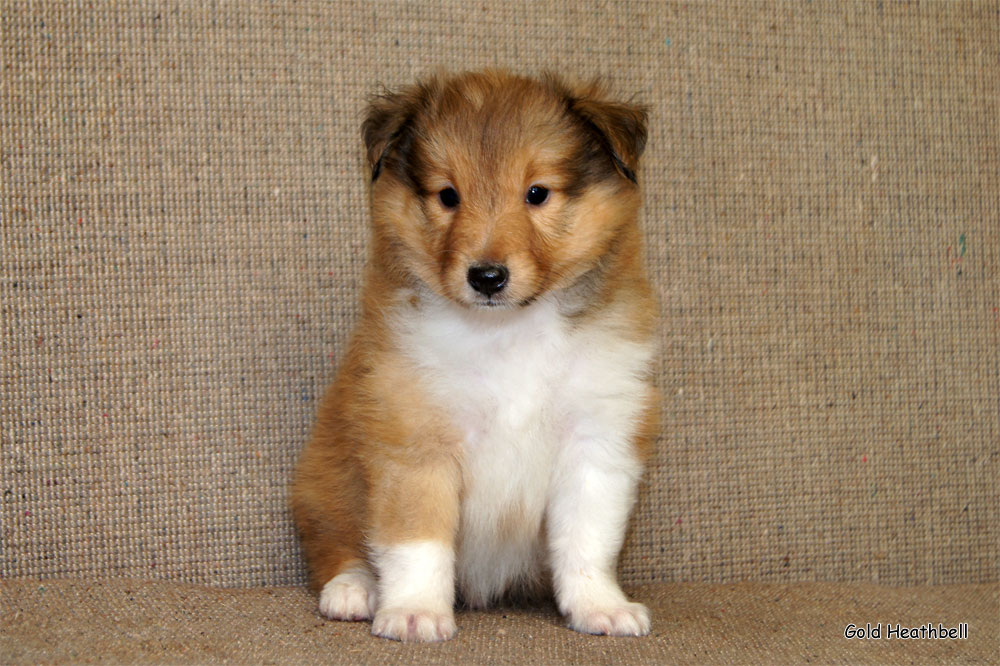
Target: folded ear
(389,117)
(619,127)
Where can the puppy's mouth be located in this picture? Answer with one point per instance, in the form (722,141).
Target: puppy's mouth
(490,303)
(495,303)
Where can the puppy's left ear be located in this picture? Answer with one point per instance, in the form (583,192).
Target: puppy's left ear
(619,126)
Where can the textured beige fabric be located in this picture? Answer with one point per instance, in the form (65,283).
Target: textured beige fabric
(158,622)
(182,228)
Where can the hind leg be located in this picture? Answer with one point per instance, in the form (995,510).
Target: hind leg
(328,498)
(350,595)
(338,571)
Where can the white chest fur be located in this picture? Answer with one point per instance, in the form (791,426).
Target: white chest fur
(532,393)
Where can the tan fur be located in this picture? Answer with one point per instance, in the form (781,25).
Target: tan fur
(383,464)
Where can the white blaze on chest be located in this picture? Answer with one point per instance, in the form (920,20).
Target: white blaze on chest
(520,384)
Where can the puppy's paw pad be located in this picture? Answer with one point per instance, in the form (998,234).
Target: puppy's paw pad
(414,625)
(348,596)
(628,619)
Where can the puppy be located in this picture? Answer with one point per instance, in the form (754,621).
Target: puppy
(487,428)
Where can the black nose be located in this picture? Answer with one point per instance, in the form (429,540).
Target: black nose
(488,279)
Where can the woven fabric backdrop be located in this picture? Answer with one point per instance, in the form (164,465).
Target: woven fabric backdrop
(183,227)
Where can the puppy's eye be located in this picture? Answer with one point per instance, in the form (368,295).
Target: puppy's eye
(536,195)
(448,197)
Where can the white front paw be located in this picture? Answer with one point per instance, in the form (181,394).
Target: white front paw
(623,619)
(414,624)
(349,596)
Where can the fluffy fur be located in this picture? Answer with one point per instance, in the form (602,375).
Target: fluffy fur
(486,435)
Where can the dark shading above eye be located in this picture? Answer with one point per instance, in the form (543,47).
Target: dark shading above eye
(536,195)
(448,197)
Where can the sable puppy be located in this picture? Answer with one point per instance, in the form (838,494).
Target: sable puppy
(487,427)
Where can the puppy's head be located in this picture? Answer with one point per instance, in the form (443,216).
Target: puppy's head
(493,189)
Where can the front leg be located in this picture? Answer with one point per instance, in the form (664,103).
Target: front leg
(416,591)
(415,511)
(593,491)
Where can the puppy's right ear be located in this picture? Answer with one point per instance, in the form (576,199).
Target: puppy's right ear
(390,116)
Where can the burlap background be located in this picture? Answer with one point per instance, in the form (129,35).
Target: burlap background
(183,206)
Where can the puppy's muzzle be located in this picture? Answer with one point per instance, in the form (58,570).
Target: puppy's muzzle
(488,279)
